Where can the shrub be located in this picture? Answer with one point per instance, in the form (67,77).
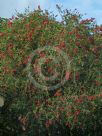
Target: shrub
(73,49)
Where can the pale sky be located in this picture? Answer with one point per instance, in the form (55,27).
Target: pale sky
(93,8)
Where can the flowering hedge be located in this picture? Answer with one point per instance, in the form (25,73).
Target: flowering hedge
(74,106)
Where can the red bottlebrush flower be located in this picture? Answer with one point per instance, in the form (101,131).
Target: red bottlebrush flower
(46,61)
(30,39)
(77,112)
(78,101)
(69,33)
(91,39)
(25,62)
(42,54)
(49,70)
(23,121)
(67,75)
(100,95)
(62,44)
(91,98)
(58,93)
(100,28)
(1,34)
(60,47)
(10,45)
(14,70)
(30,34)
(82,22)
(68,124)
(87,21)
(75,50)
(45,22)
(78,36)
(97,83)
(77,76)
(9,23)
(28,58)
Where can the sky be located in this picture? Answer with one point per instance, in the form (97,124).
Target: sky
(92,8)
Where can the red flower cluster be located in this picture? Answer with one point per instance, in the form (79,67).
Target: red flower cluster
(10,45)
(91,98)
(62,45)
(67,75)
(9,23)
(58,93)
(87,21)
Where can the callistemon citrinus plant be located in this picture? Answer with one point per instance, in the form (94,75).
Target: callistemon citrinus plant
(46,61)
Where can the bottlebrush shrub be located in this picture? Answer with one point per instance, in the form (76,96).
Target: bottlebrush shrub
(79,39)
